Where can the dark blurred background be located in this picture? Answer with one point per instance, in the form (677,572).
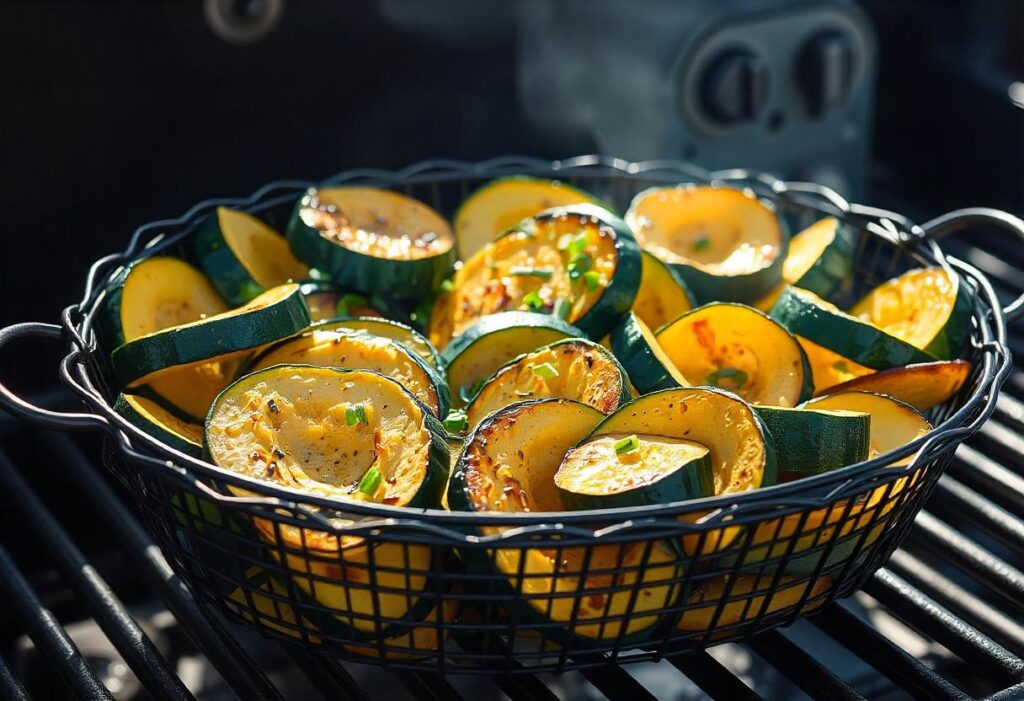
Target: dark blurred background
(116,113)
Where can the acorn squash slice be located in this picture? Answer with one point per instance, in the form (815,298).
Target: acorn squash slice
(619,470)
(579,263)
(243,256)
(738,348)
(809,316)
(508,465)
(348,435)
(893,423)
(723,242)
(359,350)
(922,386)
(501,204)
(820,259)
(662,295)
(640,353)
(150,417)
(275,314)
(573,368)
(720,603)
(327,300)
(478,352)
(395,330)
(828,368)
(927,308)
(376,241)
(816,440)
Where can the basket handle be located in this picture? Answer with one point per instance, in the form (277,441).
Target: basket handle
(58,420)
(960,219)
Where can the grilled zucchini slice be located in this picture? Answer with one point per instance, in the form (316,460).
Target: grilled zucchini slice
(508,465)
(738,348)
(478,352)
(662,295)
(922,386)
(809,316)
(500,204)
(396,331)
(574,368)
(893,423)
(327,300)
(326,431)
(828,368)
(275,314)
(820,259)
(723,242)
(376,241)
(243,256)
(150,417)
(359,350)
(579,263)
(927,308)
(816,440)
(640,353)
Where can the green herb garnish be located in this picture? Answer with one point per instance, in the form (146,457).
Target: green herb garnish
(593,280)
(841,366)
(470,390)
(355,415)
(562,308)
(578,245)
(533,301)
(345,304)
(545,371)
(527,271)
(579,265)
(701,243)
(456,421)
(738,377)
(370,481)
(447,286)
(626,445)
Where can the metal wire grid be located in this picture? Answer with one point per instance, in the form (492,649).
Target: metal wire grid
(187,518)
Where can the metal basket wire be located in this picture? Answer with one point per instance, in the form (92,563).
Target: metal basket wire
(419,588)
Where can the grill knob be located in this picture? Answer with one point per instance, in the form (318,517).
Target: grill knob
(825,71)
(735,87)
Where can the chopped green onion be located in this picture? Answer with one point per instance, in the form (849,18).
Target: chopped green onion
(469,390)
(626,445)
(546,371)
(456,421)
(578,245)
(447,286)
(701,243)
(527,271)
(533,301)
(593,280)
(355,415)
(370,481)
(562,308)
(841,366)
(738,377)
(579,265)
(344,304)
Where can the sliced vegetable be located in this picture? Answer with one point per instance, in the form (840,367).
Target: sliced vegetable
(149,417)
(893,423)
(327,300)
(376,241)
(501,204)
(406,335)
(927,308)
(808,316)
(189,390)
(275,314)
(719,602)
(640,353)
(820,257)
(578,369)
(559,240)
(742,453)
(817,440)
(829,368)
(724,243)
(242,256)
(359,350)
(922,386)
(476,353)
(508,465)
(613,471)
(662,295)
(739,349)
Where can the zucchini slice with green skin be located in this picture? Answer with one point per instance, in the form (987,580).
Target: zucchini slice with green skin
(579,263)
(273,315)
(927,308)
(726,244)
(662,295)
(293,425)
(893,423)
(150,417)
(829,368)
(740,349)
(820,257)
(499,205)
(151,295)
(376,241)
(395,330)
(816,440)
(742,450)
(618,470)
(324,299)
(809,316)
(508,465)
(360,350)
(242,256)
(574,368)
(922,386)
(478,352)
(640,353)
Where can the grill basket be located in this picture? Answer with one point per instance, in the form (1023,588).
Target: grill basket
(402,588)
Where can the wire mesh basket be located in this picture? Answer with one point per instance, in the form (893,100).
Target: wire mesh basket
(499,593)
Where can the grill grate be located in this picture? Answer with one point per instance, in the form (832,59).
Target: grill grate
(956,582)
